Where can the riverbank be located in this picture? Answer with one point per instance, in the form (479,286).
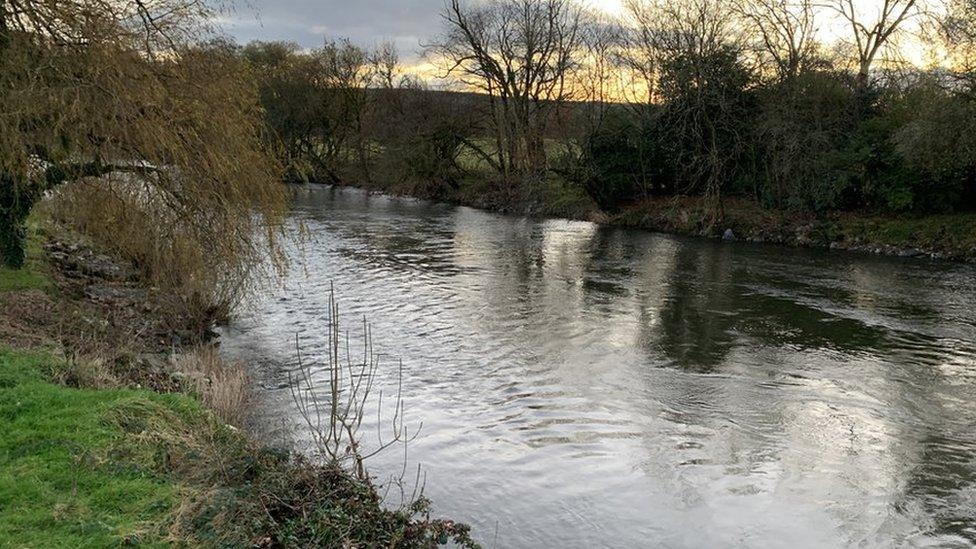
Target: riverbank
(114,433)
(949,236)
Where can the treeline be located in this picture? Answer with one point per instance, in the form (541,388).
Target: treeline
(688,97)
(341,113)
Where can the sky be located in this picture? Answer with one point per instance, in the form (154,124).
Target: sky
(406,23)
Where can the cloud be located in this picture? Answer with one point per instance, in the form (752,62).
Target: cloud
(407,23)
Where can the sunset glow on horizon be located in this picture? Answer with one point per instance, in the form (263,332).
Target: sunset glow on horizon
(615,8)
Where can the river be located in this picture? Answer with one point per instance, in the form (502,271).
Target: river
(586,386)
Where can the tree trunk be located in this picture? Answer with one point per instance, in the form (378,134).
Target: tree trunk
(864,75)
(13,242)
(4,38)
(13,212)
(15,206)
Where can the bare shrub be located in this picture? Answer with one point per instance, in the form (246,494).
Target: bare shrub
(334,422)
(221,385)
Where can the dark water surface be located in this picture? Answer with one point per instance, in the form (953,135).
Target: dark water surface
(582,386)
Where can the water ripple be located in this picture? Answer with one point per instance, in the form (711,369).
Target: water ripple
(581,386)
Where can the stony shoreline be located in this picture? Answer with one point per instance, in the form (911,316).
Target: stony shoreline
(946,237)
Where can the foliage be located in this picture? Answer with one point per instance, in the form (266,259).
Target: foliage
(869,173)
(624,158)
(314,103)
(706,109)
(131,99)
(813,142)
(801,123)
(937,141)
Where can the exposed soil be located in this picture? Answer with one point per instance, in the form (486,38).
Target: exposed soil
(95,308)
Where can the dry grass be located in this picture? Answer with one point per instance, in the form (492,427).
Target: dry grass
(203,263)
(221,385)
(84,372)
(21,314)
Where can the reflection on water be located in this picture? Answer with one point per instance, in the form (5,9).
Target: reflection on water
(582,386)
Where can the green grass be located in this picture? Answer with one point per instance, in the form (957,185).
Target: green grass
(21,279)
(70,474)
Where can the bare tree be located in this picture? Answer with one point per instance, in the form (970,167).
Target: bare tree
(694,51)
(596,82)
(664,30)
(784,32)
(385,65)
(956,31)
(520,53)
(639,52)
(871,36)
(347,71)
(598,75)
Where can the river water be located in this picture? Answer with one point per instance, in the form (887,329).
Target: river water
(584,386)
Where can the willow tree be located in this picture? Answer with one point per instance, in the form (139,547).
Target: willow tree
(128,99)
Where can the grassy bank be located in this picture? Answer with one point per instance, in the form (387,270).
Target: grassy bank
(108,467)
(77,468)
(947,236)
(102,447)
(69,474)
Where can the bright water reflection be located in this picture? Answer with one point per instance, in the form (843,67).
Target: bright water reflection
(581,386)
